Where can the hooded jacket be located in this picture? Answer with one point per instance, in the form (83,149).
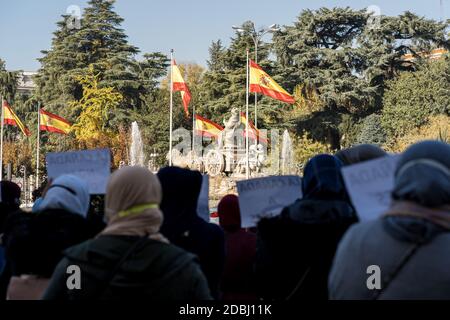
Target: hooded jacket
(130,259)
(238,280)
(184,228)
(9,203)
(295,249)
(33,247)
(158,271)
(34,242)
(409,243)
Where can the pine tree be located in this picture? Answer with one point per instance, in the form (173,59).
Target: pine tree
(224,82)
(99,42)
(56,84)
(8,82)
(345,60)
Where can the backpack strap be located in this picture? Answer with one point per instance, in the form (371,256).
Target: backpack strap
(395,271)
(299,284)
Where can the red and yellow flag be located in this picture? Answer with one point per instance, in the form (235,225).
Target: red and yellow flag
(10,118)
(253,132)
(180,85)
(261,82)
(206,128)
(52,123)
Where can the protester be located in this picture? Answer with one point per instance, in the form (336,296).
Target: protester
(238,278)
(131,259)
(184,228)
(409,243)
(360,153)
(34,242)
(295,249)
(9,203)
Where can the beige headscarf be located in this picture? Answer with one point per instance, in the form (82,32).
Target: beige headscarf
(439,215)
(132,201)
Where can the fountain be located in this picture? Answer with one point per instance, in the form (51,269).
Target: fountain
(287,154)
(137,157)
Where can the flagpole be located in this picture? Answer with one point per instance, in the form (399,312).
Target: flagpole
(171,107)
(38,144)
(247,166)
(256,94)
(1,141)
(193,130)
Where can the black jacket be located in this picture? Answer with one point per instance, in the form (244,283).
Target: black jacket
(155,271)
(34,242)
(207,241)
(295,249)
(183,227)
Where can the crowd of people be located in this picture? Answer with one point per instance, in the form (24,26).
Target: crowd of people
(146,240)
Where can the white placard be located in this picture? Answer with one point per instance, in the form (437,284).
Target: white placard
(93,166)
(203,200)
(370,184)
(265,197)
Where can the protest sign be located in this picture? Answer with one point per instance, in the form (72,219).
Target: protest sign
(265,197)
(93,166)
(369,185)
(203,200)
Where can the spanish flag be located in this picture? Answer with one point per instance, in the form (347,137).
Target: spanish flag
(206,128)
(52,123)
(254,133)
(261,82)
(179,85)
(10,118)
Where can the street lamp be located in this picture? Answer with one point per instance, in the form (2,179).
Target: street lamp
(256,37)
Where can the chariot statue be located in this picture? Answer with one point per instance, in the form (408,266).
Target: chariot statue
(230,154)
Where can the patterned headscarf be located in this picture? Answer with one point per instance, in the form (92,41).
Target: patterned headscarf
(322,179)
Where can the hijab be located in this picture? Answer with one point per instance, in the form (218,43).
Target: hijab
(68,193)
(229,213)
(322,179)
(423,174)
(422,185)
(132,203)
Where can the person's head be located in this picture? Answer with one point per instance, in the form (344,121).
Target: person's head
(133,191)
(37,193)
(10,195)
(9,199)
(229,213)
(423,174)
(68,193)
(322,179)
(360,153)
(181,189)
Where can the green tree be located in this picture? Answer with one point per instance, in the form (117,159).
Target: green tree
(371,130)
(411,98)
(150,71)
(223,85)
(102,43)
(338,62)
(8,82)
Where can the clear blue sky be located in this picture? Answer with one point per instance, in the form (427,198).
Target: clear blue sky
(188,26)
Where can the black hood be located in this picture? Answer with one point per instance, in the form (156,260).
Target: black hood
(181,189)
(320,211)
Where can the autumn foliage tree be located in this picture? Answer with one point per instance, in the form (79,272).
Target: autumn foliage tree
(93,127)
